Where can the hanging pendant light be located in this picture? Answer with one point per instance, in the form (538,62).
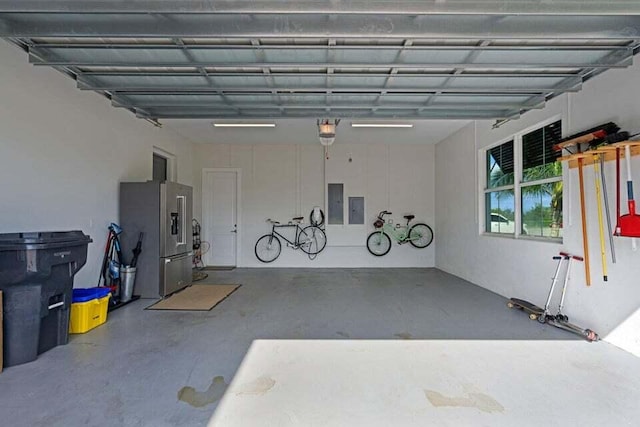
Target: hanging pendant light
(327,131)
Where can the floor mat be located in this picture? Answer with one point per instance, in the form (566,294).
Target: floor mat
(195,298)
(220,268)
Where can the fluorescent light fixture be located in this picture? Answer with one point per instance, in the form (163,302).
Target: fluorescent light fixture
(243,125)
(381,125)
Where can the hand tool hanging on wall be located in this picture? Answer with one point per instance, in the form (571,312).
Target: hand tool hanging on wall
(630,223)
(585,238)
(605,195)
(603,245)
(618,214)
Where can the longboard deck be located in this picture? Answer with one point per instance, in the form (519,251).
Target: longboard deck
(587,334)
(533,310)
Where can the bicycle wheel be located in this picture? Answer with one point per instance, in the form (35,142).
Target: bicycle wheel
(379,243)
(312,240)
(420,235)
(268,248)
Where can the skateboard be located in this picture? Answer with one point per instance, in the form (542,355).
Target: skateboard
(587,334)
(533,310)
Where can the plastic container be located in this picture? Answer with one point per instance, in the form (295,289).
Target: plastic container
(88,315)
(87,294)
(36,277)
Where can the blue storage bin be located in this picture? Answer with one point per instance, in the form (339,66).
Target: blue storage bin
(87,294)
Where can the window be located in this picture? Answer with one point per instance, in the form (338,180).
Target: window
(530,204)
(499,199)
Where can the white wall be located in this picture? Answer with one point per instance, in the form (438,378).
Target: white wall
(283,181)
(522,268)
(63,153)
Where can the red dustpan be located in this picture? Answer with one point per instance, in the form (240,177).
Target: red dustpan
(630,223)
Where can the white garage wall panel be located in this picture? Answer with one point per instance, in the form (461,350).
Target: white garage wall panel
(64,152)
(522,268)
(283,181)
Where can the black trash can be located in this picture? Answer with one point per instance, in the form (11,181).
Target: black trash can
(36,278)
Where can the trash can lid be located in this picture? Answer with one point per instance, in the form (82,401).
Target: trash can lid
(87,294)
(42,239)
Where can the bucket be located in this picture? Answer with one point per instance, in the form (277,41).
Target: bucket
(127,282)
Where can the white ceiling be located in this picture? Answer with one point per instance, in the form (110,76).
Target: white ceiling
(305,131)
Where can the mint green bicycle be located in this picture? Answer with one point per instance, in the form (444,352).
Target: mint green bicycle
(420,235)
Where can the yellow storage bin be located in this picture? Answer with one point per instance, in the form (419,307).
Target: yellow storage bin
(88,315)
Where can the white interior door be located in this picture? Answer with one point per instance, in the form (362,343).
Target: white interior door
(220,214)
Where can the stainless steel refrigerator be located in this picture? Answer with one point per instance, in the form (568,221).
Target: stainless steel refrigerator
(162,211)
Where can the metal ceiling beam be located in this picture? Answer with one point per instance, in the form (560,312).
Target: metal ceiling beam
(82,84)
(342,65)
(380,114)
(121,101)
(334,47)
(277,25)
(414,75)
(497,7)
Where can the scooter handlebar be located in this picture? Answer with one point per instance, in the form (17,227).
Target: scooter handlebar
(576,257)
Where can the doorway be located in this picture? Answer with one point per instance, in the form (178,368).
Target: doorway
(220,213)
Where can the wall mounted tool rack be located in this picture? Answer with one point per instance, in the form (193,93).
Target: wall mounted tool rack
(608,151)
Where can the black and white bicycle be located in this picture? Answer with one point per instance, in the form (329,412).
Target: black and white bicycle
(310,239)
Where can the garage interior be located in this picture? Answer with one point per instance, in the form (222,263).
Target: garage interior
(453,113)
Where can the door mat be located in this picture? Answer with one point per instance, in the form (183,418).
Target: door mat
(195,298)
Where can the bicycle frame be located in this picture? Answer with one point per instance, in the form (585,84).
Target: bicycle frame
(298,229)
(398,232)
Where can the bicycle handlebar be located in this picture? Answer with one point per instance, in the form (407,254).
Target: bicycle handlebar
(383,213)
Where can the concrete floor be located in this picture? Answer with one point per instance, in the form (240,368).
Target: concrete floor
(164,368)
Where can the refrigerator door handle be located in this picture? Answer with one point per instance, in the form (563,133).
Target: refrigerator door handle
(182,206)
(178,258)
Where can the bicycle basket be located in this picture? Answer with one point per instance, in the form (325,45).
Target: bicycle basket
(378,223)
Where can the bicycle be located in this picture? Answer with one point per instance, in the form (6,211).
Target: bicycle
(420,235)
(310,239)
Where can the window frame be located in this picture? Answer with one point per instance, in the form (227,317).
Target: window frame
(518,182)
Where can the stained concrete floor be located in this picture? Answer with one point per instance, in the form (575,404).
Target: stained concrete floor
(160,368)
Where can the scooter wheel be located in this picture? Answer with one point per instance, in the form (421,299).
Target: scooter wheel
(533,316)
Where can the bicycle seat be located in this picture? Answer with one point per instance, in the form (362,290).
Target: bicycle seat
(298,218)
(272,221)
(409,217)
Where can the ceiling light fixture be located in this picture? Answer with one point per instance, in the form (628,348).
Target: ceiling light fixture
(381,125)
(243,125)
(327,131)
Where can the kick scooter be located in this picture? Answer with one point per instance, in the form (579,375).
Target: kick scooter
(543,315)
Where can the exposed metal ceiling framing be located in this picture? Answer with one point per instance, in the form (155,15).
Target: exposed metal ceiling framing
(457,59)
